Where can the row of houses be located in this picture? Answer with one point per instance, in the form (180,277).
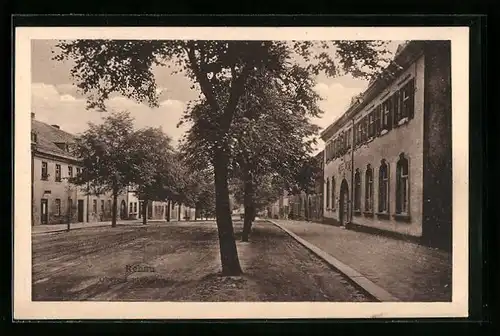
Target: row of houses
(387,163)
(56,201)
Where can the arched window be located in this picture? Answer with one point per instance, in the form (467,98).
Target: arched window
(383,187)
(334,203)
(402,195)
(327,193)
(369,189)
(357,191)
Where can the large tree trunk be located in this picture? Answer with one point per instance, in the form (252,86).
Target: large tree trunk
(249,208)
(144,211)
(228,253)
(115,208)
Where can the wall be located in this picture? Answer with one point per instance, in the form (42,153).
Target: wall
(408,139)
(52,190)
(437,222)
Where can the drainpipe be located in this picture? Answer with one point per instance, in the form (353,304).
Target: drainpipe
(351,208)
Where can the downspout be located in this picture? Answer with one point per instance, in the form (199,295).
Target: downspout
(351,208)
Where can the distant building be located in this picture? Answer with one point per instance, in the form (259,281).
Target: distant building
(301,206)
(388,157)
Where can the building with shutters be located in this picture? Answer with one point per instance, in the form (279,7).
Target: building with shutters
(387,161)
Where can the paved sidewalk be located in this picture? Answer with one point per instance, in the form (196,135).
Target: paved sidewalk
(48,228)
(408,271)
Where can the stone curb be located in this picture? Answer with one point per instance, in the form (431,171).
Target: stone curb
(368,286)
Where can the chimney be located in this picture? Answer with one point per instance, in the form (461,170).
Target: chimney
(32,115)
(56,126)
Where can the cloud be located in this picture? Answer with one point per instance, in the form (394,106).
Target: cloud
(336,98)
(70,114)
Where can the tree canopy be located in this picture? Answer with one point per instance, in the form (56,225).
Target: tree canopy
(221,70)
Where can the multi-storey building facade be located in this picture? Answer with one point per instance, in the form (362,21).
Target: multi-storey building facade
(56,201)
(388,157)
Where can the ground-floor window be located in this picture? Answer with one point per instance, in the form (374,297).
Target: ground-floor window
(334,203)
(327,193)
(58,207)
(402,185)
(357,191)
(383,193)
(369,189)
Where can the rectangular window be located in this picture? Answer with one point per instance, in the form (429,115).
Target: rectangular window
(365,128)
(102,205)
(78,171)
(387,114)
(371,125)
(131,207)
(70,171)
(135,206)
(94,206)
(58,173)
(109,206)
(45,173)
(58,207)
(407,100)
(378,120)
(396,107)
(349,138)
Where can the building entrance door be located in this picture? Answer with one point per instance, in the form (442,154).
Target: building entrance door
(80,211)
(44,211)
(344,203)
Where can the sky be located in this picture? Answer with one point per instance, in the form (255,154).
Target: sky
(55,99)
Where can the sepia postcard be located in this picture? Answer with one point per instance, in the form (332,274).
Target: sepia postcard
(222,173)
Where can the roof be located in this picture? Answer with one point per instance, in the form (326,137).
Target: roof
(405,54)
(47,138)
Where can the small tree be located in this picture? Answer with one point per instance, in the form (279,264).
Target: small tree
(153,168)
(105,151)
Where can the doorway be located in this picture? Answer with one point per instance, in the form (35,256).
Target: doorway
(123,210)
(344,203)
(44,211)
(80,211)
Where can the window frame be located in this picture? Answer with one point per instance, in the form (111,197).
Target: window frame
(58,174)
(328,192)
(332,194)
(70,171)
(383,180)
(402,200)
(369,189)
(57,202)
(94,206)
(357,192)
(45,166)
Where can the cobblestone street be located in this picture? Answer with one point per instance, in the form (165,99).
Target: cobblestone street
(408,271)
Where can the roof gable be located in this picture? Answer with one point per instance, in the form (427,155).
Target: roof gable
(48,137)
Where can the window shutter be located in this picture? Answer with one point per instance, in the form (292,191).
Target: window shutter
(393,110)
(411,102)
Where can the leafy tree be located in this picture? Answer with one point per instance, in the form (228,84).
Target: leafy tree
(106,151)
(153,168)
(220,70)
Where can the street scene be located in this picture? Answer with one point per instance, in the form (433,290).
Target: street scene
(241,171)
